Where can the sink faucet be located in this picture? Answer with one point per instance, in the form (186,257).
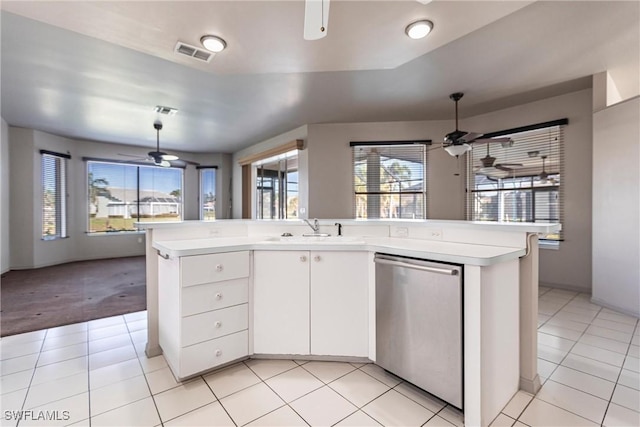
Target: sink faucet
(315,226)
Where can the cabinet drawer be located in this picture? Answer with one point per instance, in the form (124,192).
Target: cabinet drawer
(214,324)
(214,296)
(212,353)
(199,269)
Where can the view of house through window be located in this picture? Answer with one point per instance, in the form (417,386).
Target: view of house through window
(277,186)
(54,196)
(121,194)
(207,194)
(389,180)
(522,181)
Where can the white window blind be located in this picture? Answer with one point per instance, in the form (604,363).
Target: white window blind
(207,192)
(54,195)
(525,181)
(389,179)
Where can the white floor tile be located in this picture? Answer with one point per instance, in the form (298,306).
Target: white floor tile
(58,341)
(609,333)
(618,416)
(161,380)
(12,401)
(138,325)
(632,364)
(503,421)
(16,381)
(58,389)
(185,398)
(54,371)
(381,375)
(605,343)
(585,318)
(551,354)
(328,371)
(293,384)
(437,421)
(627,397)
(584,382)
(519,424)
(599,354)
(136,315)
(231,379)
(323,407)
(555,342)
(17,364)
(11,350)
(568,324)
(108,331)
(617,317)
(114,373)
(67,411)
(592,367)
(266,369)
(559,331)
(140,336)
(517,404)
(359,388)
(452,415)
(635,340)
(111,357)
(543,414)
(109,343)
(141,413)
(580,309)
(394,409)
(153,363)
(575,401)
(421,397)
(118,394)
(209,415)
(283,416)
(74,328)
(634,351)
(616,326)
(106,322)
(251,403)
(546,368)
(358,419)
(25,337)
(630,379)
(61,354)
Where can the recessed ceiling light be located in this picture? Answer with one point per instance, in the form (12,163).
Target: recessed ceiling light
(419,29)
(213,43)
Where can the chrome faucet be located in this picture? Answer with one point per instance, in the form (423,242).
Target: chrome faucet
(315,226)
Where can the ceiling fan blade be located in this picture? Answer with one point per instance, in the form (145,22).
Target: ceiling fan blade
(316,19)
(470,137)
(508,167)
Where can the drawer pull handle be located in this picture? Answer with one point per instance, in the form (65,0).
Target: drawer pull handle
(303,258)
(218,324)
(218,296)
(317,258)
(219,268)
(218,353)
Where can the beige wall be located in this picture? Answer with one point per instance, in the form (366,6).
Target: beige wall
(4,198)
(331,170)
(569,266)
(28,250)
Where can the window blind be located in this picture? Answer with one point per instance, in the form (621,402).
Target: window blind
(525,181)
(54,195)
(207,192)
(389,179)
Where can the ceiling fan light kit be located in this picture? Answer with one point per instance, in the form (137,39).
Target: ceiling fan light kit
(160,158)
(213,44)
(458,149)
(419,29)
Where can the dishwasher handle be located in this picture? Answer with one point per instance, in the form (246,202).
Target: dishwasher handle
(386,261)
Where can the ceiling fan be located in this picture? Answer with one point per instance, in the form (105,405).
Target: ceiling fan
(457,142)
(160,158)
(489,161)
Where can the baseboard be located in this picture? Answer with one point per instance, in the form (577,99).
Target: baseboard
(614,307)
(530,386)
(565,287)
(72,260)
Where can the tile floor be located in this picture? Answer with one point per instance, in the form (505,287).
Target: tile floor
(96,373)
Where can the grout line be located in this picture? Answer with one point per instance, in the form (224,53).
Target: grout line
(218,399)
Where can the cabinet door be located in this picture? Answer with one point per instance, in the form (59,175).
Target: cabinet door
(339,303)
(281,302)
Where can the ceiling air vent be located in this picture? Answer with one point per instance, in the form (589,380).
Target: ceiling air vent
(193,52)
(169,111)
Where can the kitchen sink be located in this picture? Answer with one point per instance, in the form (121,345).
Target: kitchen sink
(315,239)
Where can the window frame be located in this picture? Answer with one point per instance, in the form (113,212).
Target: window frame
(60,179)
(201,170)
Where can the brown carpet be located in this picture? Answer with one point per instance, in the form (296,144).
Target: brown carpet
(70,293)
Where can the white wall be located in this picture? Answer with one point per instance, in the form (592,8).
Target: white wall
(616,206)
(27,248)
(4,198)
(331,169)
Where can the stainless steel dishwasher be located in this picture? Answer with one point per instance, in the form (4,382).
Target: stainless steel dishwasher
(419,324)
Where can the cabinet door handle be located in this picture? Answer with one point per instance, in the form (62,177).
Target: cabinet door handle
(219,268)
(218,353)
(303,258)
(317,258)
(219,296)
(217,324)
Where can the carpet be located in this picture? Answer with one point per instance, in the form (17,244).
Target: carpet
(69,293)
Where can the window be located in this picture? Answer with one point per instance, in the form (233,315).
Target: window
(207,192)
(389,179)
(121,194)
(54,195)
(524,181)
(277,186)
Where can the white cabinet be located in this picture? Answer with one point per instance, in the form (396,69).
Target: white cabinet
(281,302)
(311,302)
(203,310)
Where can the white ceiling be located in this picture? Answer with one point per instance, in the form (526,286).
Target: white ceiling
(95,70)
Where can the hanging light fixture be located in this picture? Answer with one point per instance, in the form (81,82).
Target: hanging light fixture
(457,149)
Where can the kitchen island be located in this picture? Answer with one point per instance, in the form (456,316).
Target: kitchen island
(499,282)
